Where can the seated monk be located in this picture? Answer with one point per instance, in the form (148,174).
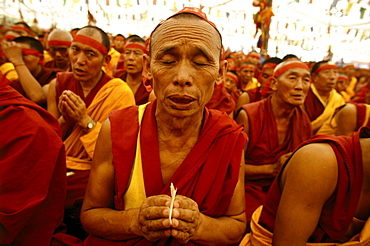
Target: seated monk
(275,127)
(320,197)
(350,117)
(26,54)
(322,98)
(32,171)
(133,68)
(143,150)
(263,91)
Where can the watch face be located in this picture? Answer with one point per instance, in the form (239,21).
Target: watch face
(90,125)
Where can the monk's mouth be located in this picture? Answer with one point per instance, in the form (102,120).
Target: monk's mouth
(181,100)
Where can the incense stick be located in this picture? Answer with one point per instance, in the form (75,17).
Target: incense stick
(173,195)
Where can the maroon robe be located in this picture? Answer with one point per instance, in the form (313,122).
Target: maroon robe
(263,147)
(314,108)
(254,94)
(361,114)
(32,171)
(208,175)
(221,100)
(338,212)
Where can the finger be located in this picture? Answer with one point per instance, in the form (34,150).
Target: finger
(185,203)
(156,235)
(159,200)
(180,236)
(183,217)
(154,212)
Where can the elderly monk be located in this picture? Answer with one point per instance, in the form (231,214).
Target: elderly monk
(133,68)
(246,72)
(173,140)
(26,54)
(81,100)
(322,98)
(321,196)
(32,171)
(59,42)
(275,127)
(263,91)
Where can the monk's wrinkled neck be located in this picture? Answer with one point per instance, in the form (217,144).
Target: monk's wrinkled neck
(281,109)
(168,125)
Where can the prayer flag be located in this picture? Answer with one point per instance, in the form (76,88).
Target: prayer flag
(107,2)
(362,12)
(118,4)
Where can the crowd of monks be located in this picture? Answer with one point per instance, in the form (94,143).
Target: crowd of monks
(281,102)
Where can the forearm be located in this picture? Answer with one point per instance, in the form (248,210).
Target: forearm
(111,224)
(220,231)
(30,85)
(262,171)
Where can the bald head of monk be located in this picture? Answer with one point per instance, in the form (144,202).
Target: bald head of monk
(184,64)
(59,42)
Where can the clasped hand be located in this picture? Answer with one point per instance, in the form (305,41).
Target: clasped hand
(72,107)
(154,221)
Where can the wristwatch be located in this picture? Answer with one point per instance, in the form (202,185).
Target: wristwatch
(90,125)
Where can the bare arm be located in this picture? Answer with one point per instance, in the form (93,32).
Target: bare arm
(346,119)
(98,215)
(307,183)
(242,100)
(30,85)
(268,170)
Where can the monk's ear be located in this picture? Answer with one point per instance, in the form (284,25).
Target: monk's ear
(221,72)
(273,82)
(147,71)
(107,59)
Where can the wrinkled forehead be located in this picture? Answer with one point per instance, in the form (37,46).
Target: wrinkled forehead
(193,30)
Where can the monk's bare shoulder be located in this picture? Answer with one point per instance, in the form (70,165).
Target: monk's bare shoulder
(313,163)
(346,119)
(242,100)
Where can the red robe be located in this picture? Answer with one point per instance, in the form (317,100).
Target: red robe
(208,174)
(254,94)
(338,212)
(32,171)
(221,100)
(361,115)
(313,106)
(263,147)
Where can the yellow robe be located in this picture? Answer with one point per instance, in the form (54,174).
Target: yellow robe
(115,56)
(335,100)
